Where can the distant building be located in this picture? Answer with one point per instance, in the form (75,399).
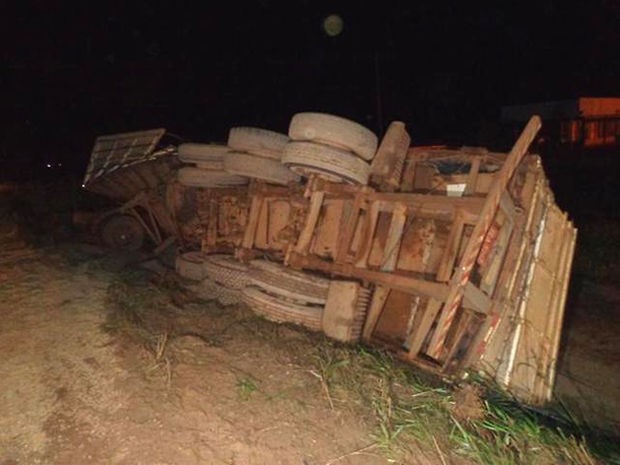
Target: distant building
(585,122)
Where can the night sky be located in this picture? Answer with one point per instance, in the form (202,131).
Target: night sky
(70,72)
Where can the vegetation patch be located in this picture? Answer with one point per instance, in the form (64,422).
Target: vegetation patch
(473,421)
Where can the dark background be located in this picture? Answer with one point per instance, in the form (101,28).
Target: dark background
(72,71)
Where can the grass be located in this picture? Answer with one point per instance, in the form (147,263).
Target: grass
(246,386)
(412,414)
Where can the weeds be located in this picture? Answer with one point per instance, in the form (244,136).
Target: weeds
(410,413)
(142,312)
(245,387)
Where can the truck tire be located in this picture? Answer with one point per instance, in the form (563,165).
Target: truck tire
(335,131)
(296,285)
(215,165)
(196,177)
(210,290)
(225,270)
(331,163)
(196,153)
(268,144)
(253,166)
(122,232)
(190,265)
(281,311)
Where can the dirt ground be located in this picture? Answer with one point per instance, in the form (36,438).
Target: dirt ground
(588,374)
(73,393)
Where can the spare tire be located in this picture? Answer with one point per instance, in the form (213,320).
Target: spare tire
(122,232)
(335,131)
(190,265)
(331,163)
(268,144)
(282,311)
(280,280)
(196,177)
(225,270)
(195,153)
(253,166)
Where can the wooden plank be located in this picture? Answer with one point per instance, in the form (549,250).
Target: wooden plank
(409,173)
(396,281)
(316,201)
(507,205)
(261,240)
(532,175)
(446,266)
(211,236)
(393,325)
(153,222)
(420,332)
(506,218)
(403,283)
(451,364)
(440,203)
(392,245)
(476,299)
(472,177)
(555,342)
(379,298)
(493,268)
(325,236)
(250,229)
(368,233)
(350,222)
(387,166)
(335,189)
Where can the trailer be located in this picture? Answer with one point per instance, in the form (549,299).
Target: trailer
(133,170)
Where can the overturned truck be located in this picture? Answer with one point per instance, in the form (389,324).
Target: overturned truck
(456,260)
